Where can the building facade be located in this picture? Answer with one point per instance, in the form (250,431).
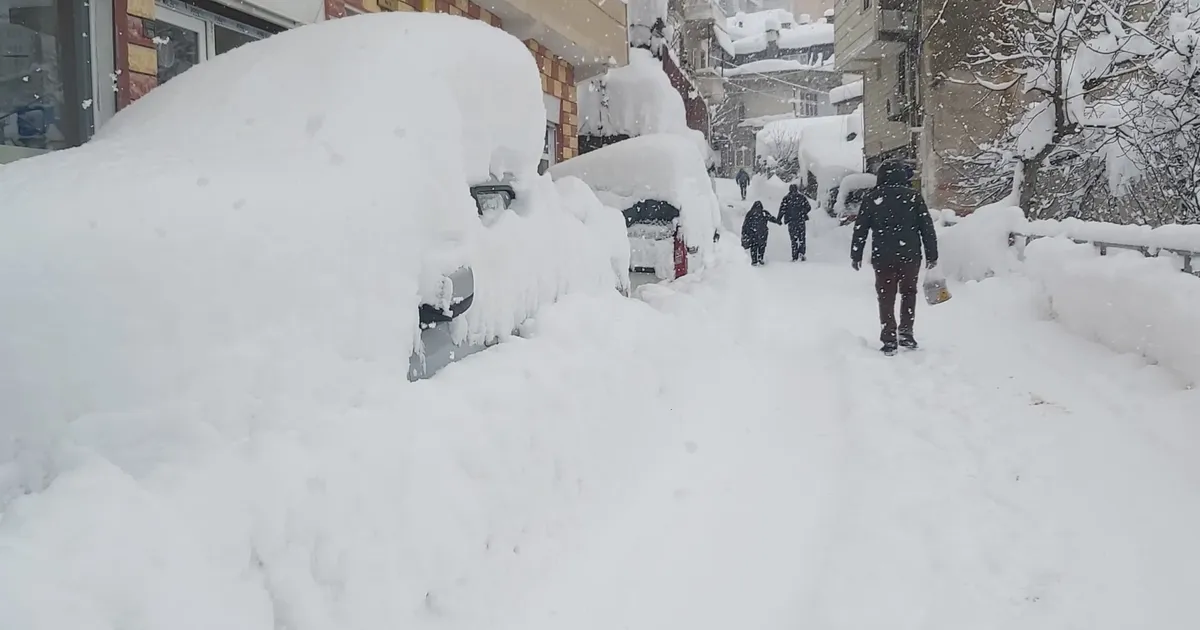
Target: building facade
(916,106)
(785,71)
(66,66)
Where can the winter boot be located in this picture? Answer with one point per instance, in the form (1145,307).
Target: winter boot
(908,342)
(889,348)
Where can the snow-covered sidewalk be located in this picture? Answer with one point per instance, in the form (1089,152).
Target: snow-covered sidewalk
(1009,475)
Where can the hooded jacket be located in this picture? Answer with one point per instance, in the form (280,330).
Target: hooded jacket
(755,228)
(795,208)
(897,219)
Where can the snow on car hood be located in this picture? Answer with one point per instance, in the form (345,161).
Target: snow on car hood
(665,167)
(256,219)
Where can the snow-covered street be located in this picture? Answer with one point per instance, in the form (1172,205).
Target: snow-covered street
(730,451)
(1008,475)
(457,333)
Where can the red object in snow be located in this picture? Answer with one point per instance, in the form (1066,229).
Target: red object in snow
(681,261)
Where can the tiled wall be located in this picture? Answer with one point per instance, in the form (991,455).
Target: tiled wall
(137,58)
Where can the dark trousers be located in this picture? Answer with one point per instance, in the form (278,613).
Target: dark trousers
(799,234)
(890,279)
(743,187)
(758,251)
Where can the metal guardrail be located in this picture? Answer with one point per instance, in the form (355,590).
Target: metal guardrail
(1188,256)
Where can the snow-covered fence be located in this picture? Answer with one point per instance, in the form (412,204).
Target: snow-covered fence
(1090,279)
(1182,241)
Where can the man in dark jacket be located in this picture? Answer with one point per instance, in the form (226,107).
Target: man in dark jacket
(793,213)
(743,181)
(899,223)
(755,229)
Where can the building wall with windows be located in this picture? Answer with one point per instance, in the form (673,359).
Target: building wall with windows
(66,66)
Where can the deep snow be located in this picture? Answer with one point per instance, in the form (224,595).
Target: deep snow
(731,451)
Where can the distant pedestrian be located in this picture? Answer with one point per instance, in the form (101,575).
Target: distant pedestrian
(899,224)
(755,229)
(743,181)
(793,213)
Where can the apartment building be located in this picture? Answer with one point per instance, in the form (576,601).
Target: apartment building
(909,54)
(66,66)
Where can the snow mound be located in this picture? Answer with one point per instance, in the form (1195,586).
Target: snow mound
(663,167)
(640,101)
(204,331)
(1123,300)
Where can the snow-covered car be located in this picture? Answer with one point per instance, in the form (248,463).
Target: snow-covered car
(661,185)
(294,204)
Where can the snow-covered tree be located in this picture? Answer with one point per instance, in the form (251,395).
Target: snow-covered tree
(1163,136)
(1068,59)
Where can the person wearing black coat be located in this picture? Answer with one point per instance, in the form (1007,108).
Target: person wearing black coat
(900,226)
(793,213)
(743,181)
(755,229)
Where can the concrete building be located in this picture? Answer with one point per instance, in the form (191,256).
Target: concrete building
(66,66)
(913,108)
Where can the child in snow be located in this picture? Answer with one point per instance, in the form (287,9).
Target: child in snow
(755,228)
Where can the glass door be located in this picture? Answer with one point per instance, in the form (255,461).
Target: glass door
(182,42)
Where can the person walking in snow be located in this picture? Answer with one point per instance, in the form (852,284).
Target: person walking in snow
(793,213)
(755,229)
(899,224)
(743,182)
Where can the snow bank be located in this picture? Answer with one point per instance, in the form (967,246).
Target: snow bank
(749,31)
(847,92)
(641,101)
(976,247)
(204,331)
(663,167)
(828,147)
(1123,300)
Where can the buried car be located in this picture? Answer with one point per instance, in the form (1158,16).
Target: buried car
(662,187)
(288,236)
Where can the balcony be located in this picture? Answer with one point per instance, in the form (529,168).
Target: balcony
(869,30)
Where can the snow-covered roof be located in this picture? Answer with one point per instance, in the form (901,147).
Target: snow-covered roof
(749,41)
(666,167)
(759,22)
(775,65)
(847,92)
(641,101)
(723,39)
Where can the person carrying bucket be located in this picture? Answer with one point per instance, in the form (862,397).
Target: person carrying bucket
(899,223)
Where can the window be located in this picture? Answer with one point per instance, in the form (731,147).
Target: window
(45,76)
(550,148)
(808,105)
(186,36)
(866,4)
(741,157)
(902,73)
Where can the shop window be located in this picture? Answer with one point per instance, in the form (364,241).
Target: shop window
(186,36)
(45,76)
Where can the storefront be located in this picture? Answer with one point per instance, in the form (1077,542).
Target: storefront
(66,66)
(46,82)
